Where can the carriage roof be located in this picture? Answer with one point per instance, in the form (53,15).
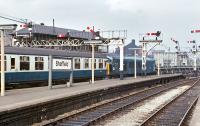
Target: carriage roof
(53,52)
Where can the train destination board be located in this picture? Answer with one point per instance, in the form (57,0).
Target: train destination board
(61,64)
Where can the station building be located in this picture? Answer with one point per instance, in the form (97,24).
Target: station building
(171,59)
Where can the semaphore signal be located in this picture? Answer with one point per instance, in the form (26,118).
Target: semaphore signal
(195,31)
(193,41)
(154,33)
(174,40)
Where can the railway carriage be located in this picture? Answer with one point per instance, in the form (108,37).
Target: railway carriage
(30,66)
(129,65)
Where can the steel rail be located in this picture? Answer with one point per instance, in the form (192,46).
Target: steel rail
(157,114)
(89,116)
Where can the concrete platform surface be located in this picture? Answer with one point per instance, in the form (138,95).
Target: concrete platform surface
(24,97)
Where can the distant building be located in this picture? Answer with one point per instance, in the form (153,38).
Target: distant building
(169,59)
(127,49)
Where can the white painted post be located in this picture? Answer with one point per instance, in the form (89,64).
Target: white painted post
(144,59)
(72,70)
(50,72)
(121,61)
(195,62)
(2,65)
(158,64)
(135,65)
(92,63)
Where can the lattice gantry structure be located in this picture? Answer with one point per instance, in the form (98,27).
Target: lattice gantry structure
(40,35)
(53,37)
(110,38)
(155,39)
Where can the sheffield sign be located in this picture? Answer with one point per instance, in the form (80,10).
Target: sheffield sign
(60,64)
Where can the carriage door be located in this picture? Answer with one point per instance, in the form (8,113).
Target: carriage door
(12,64)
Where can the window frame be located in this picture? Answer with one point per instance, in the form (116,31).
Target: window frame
(38,61)
(77,63)
(24,60)
(86,61)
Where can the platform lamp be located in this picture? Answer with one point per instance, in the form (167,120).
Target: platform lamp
(135,65)
(93,43)
(2,29)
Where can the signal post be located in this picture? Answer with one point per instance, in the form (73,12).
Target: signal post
(149,38)
(195,50)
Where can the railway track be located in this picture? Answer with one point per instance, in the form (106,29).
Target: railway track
(95,114)
(175,111)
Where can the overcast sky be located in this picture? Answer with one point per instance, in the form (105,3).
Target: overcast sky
(174,18)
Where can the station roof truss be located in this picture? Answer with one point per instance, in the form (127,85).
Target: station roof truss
(51,43)
(105,38)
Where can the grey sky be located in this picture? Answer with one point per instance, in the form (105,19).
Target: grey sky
(175,18)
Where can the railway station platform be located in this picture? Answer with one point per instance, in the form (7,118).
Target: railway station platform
(21,99)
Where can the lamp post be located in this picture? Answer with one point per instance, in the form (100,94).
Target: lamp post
(2,65)
(100,39)
(93,43)
(135,63)
(93,63)
(121,68)
(158,63)
(2,29)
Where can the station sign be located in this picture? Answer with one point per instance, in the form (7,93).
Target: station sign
(61,64)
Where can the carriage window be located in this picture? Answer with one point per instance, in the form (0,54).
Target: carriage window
(100,63)
(12,63)
(95,63)
(24,63)
(105,62)
(4,63)
(95,60)
(86,63)
(77,63)
(39,63)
